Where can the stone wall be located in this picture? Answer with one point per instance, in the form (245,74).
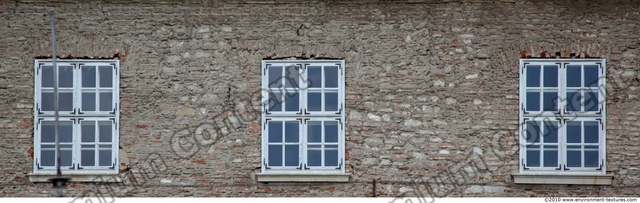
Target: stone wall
(428,83)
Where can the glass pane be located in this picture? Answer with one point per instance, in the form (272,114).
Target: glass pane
(291,156)
(105,158)
(314,101)
(331,131)
(591,76)
(47,131)
(106,76)
(533,158)
(331,101)
(315,76)
(292,101)
(550,158)
(591,131)
(88,158)
(550,132)
(275,155)
(106,101)
(88,76)
(533,76)
(293,77)
(574,132)
(314,157)
(591,101)
(574,158)
(574,75)
(65,101)
(314,131)
(550,101)
(47,76)
(105,131)
(275,76)
(88,131)
(331,76)
(330,157)
(275,102)
(551,76)
(88,101)
(292,132)
(47,158)
(66,76)
(47,102)
(533,132)
(573,101)
(533,101)
(65,157)
(275,131)
(591,158)
(66,131)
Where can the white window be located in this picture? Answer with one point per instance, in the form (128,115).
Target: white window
(303,116)
(88,98)
(562,116)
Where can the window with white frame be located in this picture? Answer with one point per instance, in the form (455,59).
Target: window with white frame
(303,116)
(88,98)
(562,116)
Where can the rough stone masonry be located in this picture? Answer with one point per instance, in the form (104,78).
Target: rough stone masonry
(427,82)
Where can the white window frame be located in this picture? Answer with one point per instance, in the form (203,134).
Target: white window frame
(303,116)
(562,116)
(78,115)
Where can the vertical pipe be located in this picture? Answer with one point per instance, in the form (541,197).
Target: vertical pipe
(374,188)
(55,98)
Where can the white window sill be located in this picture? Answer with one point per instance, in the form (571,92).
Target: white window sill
(111,178)
(563,179)
(334,178)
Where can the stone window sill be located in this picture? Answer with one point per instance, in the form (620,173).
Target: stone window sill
(563,179)
(111,178)
(333,178)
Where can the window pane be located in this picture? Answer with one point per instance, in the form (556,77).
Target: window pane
(292,101)
(275,155)
(106,76)
(292,132)
(65,157)
(47,76)
(331,157)
(106,101)
(591,101)
(550,132)
(291,155)
(314,156)
(275,102)
(47,131)
(331,101)
(275,76)
(533,132)
(331,76)
(533,76)
(550,101)
(275,131)
(88,101)
(591,156)
(66,76)
(551,76)
(65,101)
(88,157)
(47,158)
(574,158)
(314,101)
(88,131)
(66,131)
(293,77)
(574,75)
(105,131)
(105,158)
(331,131)
(314,131)
(533,158)
(47,102)
(88,76)
(574,100)
(533,101)
(574,132)
(315,76)
(591,76)
(591,131)
(550,158)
